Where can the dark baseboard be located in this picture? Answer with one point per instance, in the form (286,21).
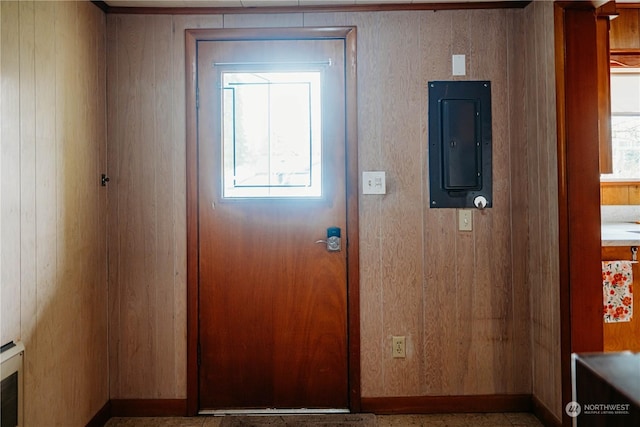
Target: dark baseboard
(447,404)
(544,414)
(148,407)
(101,417)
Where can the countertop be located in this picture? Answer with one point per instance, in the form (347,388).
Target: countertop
(620,234)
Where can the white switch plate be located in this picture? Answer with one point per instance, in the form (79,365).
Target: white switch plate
(465,220)
(373,182)
(458,65)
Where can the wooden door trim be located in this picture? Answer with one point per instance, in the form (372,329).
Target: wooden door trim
(581,327)
(348,34)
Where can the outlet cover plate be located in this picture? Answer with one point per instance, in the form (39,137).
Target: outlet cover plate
(399,347)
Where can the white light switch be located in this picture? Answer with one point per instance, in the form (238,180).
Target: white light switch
(458,65)
(465,220)
(373,182)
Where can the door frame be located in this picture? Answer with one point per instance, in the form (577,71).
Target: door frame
(580,287)
(348,34)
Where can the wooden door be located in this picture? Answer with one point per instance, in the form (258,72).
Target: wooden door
(272,301)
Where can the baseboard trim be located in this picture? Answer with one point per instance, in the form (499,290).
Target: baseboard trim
(148,407)
(543,413)
(447,404)
(101,417)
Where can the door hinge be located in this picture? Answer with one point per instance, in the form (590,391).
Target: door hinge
(197,97)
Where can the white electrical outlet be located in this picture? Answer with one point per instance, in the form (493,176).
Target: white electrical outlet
(398,347)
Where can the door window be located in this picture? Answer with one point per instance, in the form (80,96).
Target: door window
(271,134)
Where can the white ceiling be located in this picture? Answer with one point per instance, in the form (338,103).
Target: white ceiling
(269,3)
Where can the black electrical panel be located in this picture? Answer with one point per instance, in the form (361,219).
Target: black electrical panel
(459,143)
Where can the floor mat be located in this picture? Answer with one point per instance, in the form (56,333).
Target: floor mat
(346,420)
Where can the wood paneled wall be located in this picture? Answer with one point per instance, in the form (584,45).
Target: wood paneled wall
(462,299)
(53,222)
(539,199)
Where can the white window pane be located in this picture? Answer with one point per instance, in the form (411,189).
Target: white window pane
(625,92)
(272,134)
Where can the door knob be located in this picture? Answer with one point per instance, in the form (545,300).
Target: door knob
(333,239)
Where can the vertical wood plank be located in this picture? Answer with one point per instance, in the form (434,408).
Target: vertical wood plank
(56,300)
(375,346)
(114,132)
(541,192)
(547,196)
(91,33)
(440,257)
(46,195)
(492,291)
(137,201)
(401,249)
(164,187)
(519,210)
(10,169)
(28,272)
(552,224)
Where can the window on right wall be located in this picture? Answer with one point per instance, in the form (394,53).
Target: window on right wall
(625,124)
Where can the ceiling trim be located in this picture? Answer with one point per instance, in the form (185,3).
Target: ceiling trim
(308,9)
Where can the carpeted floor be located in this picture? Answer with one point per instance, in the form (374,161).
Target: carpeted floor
(346,420)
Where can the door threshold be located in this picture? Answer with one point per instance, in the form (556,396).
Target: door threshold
(268,411)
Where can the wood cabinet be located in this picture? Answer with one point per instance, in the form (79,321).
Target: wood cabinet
(623,335)
(625,30)
(624,38)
